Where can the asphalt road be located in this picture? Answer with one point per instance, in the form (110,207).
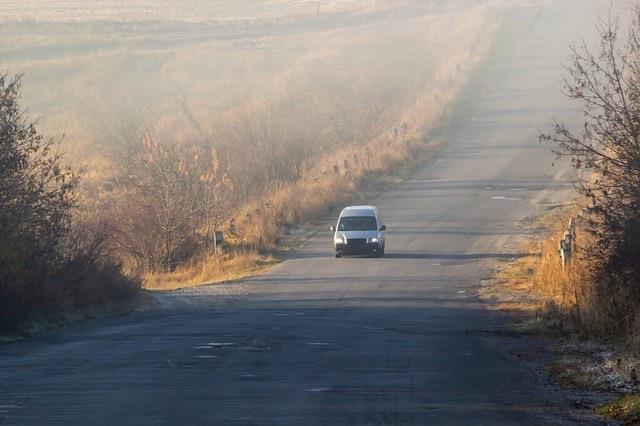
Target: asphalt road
(318,340)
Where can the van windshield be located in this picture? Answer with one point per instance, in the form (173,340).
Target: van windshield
(358,223)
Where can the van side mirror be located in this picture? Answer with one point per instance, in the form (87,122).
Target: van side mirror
(383,228)
(332,228)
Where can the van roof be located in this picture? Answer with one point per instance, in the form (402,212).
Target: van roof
(359,211)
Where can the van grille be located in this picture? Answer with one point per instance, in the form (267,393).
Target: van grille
(356,241)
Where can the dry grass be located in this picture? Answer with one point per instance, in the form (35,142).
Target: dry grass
(211,269)
(625,410)
(573,307)
(564,288)
(529,283)
(563,298)
(575,300)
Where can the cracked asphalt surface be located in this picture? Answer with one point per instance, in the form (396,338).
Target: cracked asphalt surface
(318,340)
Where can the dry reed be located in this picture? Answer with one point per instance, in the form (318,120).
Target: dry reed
(208,270)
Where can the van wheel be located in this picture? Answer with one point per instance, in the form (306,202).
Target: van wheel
(337,254)
(382,251)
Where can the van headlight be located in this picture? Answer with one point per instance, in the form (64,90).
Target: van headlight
(372,240)
(339,239)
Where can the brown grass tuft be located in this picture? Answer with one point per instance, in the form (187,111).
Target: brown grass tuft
(625,410)
(572,299)
(208,270)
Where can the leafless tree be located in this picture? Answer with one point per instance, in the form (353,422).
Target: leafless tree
(37,195)
(37,192)
(215,201)
(158,205)
(174,199)
(606,82)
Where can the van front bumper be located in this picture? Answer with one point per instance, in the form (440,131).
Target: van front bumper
(361,248)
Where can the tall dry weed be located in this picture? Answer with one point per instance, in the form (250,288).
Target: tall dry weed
(591,305)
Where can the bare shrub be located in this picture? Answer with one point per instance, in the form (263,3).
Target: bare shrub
(88,277)
(36,196)
(607,152)
(43,266)
(170,202)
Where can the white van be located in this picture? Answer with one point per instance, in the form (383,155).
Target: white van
(359,231)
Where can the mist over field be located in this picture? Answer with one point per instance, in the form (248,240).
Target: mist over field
(106,72)
(171,10)
(193,117)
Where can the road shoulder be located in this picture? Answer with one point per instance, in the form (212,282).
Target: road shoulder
(597,378)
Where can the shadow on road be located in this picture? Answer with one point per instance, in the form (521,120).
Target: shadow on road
(397,358)
(419,255)
(454,256)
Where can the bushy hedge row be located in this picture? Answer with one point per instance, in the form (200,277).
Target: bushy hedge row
(44,267)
